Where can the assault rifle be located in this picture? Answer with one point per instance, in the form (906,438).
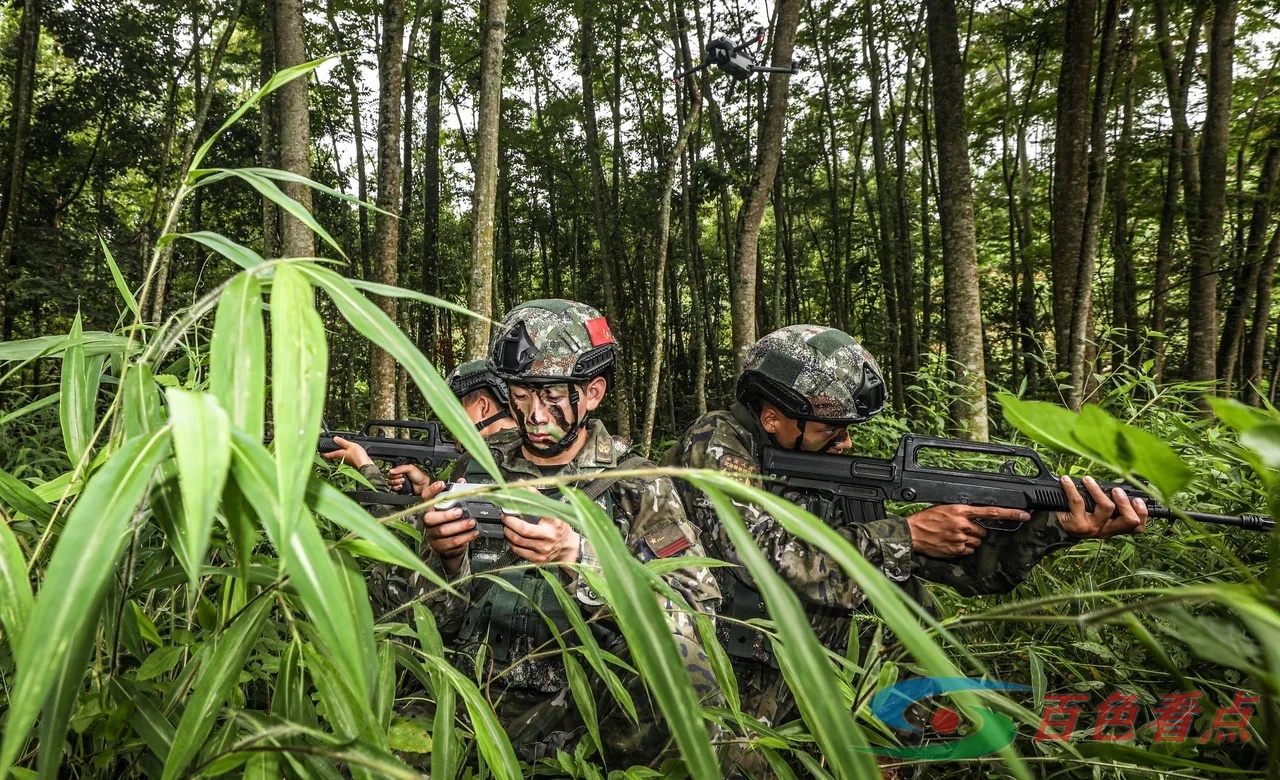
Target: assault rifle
(432,452)
(924,469)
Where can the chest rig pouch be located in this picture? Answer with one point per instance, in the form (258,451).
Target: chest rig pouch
(743,603)
(508,611)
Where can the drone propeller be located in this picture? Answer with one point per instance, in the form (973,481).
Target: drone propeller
(734,59)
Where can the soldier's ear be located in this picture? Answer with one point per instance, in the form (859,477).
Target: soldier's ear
(593,392)
(770,419)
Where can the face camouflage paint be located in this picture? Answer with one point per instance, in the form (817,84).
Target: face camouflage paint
(542,414)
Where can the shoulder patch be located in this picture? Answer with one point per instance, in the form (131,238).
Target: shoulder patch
(667,540)
(604,449)
(736,464)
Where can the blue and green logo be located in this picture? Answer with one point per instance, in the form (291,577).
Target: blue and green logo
(993,732)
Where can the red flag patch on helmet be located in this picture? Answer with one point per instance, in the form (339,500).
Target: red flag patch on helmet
(598,330)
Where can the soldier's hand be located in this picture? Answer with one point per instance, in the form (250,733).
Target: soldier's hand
(950,530)
(447,532)
(418,478)
(349,453)
(550,540)
(1111,515)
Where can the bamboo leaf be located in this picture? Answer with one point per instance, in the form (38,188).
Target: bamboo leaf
(125,293)
(294,178)
(271,192)
(15,587)
(299,361)
(148,719)
(281,78)
(493,742)
(237,355)
(801,656)
(242,256)
(217,677)
(391,291)
(21,498)
(61,701)
(330,503)
(348,713)
(79,570)
(34,406)
(905,618)
(94,343)
(322,593)
(202,447)
(140,402)
(79,392)
(444,731)
(376,326)
(648,636)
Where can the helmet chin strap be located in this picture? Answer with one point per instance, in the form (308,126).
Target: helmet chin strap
(491,419)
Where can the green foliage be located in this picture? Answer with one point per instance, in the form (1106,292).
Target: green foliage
(177,599)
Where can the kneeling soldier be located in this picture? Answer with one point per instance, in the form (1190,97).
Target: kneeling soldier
(558,358)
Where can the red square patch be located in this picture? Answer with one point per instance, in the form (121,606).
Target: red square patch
(599,331)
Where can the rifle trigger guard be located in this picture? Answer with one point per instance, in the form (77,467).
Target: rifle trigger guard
(1007,526)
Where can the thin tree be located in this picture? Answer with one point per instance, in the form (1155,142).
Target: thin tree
(386,239)
(296,239)
(484,198)
(962,297)
(1206,240)
(21,99)
(743,305)
(664,241)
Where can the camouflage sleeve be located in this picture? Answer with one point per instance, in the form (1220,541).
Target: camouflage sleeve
(388,585)
(1002,561)
(446,608)
(811,572)
(660,529)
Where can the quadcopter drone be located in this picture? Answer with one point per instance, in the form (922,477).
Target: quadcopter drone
(734,59)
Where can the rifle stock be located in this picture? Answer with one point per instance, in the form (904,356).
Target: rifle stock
(863,484)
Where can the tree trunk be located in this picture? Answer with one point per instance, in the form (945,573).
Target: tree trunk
(887,243)
(203,103)
(430,328)
(1249,269)
(743,304)
(269,143)
(21,98)
(357,133)
(660,272)
(1082,306)
(483,201)
(295,125)
(1256,352)
(1124,298)
(959,240)
(604,216)
(1206,241)
(1070,182)
(386,239)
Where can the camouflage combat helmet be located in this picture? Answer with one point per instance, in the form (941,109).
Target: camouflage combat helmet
(813,373)
(553,341)
(475,375)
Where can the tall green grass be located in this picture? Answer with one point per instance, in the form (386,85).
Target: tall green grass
(178,600)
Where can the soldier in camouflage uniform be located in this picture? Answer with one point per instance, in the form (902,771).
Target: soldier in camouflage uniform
(484,398)
(801,387)
(558,360)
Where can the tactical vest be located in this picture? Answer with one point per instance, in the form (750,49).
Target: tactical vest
(743,603)
(505,616)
